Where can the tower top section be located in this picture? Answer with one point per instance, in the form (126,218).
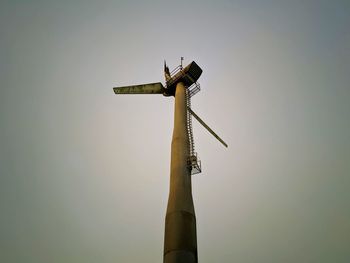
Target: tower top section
(188,76)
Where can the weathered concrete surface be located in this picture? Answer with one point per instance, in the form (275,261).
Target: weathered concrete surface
(180,241)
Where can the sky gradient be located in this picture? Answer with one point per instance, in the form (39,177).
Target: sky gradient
(84,174)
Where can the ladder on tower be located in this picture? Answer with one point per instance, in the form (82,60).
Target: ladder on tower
(194,163)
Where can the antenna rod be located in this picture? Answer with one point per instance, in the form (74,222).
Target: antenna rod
(207,127)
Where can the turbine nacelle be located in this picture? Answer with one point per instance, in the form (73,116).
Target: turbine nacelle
(188,76)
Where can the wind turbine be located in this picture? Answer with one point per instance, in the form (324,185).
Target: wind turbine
(180,238)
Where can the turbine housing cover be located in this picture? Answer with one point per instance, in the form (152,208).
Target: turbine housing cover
(188,75)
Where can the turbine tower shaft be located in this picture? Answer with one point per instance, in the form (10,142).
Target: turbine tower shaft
(180,240)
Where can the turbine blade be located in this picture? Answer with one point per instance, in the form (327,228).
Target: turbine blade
(206,126)
(166,72)
(150,88)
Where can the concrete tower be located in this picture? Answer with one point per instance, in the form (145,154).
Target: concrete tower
(180,238)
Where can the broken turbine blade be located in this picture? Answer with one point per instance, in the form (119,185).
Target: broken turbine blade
(206,126)
(150,88)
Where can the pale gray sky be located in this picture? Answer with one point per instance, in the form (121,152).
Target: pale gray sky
(84,174)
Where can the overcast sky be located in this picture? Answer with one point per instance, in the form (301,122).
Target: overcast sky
(84,174)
